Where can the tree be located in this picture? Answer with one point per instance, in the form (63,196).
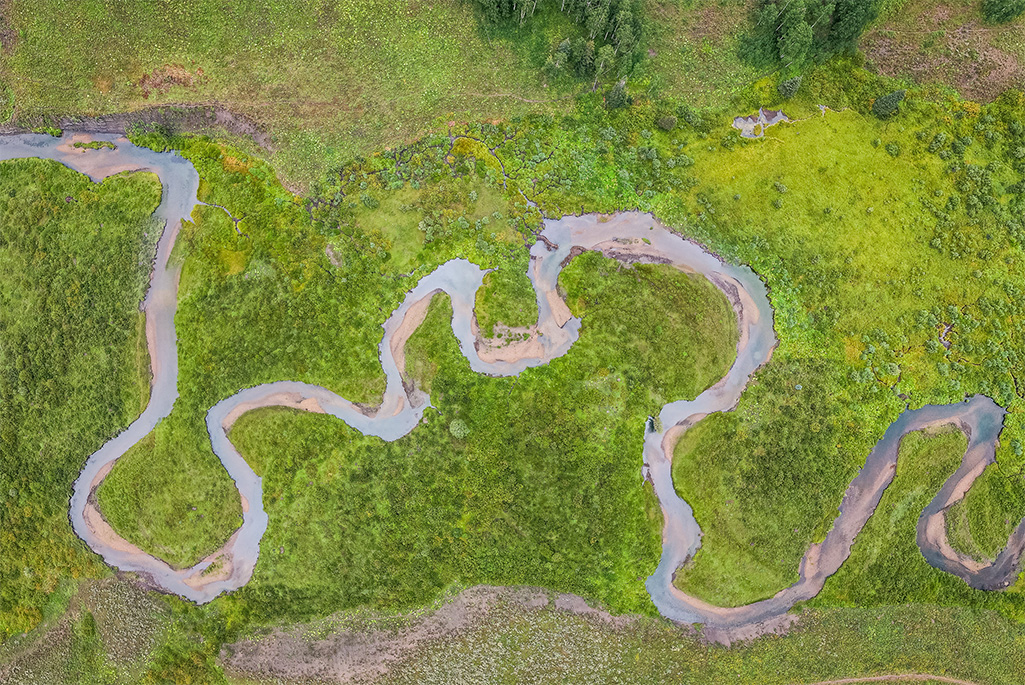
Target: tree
(617,96)
(1000,11)
(582,56)
(789,87)
(597,18)
(624,38)
(888,104)
(795,35)
(603,62)
(850,17)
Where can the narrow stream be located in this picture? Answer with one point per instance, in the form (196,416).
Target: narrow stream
(630,237)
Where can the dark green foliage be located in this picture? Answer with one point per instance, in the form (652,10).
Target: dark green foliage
(1000,11)
(789,87)
(608,32)
(795,33)
(666,123)
(888,104)
(616,97)
(850,17)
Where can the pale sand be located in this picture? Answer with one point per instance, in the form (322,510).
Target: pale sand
(414,316)
(492,350)
(197,580)
(102,530)
(292,400)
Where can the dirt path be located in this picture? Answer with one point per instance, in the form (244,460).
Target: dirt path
(919,677)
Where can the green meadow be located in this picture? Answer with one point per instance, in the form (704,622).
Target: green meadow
(399,135)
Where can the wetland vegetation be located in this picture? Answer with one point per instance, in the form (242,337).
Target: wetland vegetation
(892,248)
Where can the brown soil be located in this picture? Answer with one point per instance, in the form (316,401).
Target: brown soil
(202,119)
(167,77)
(947,45)
(7,33)
(360,650)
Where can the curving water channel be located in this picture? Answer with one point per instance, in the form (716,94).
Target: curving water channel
(629,237)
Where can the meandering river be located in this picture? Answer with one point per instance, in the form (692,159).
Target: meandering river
(629,237)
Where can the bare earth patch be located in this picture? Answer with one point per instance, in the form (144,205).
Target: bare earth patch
(949,45)
(167,77)
(359,649)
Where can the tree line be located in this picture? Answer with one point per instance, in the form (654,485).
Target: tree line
(795,33)
(608,37)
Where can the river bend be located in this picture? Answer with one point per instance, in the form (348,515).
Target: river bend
(629,237)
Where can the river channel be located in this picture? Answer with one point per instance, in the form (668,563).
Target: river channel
(629,237)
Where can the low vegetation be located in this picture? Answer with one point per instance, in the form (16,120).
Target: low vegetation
(74,260)
(981,524)
(885,567)
(541,646)
(912,204)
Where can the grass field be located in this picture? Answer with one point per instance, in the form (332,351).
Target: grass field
(886,567)
(693,50)
(981,523)
(538,647)
(892,250)
(411,517)
(814,205)
(330,80)
(834,198)
(509,643)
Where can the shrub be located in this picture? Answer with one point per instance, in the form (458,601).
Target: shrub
(617,97)
(789,87)
(458,428)
(893,149)
(666,123)
(938,141)
(887,105)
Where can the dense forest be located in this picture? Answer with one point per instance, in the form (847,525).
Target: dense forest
(796,33)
